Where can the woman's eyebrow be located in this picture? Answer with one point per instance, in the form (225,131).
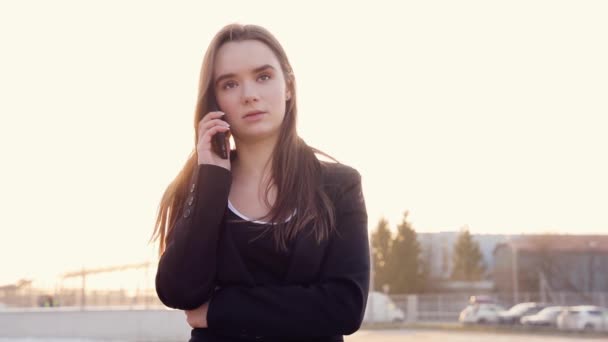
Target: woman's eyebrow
(256,70)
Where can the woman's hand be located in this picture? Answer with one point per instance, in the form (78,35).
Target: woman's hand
(197,318)
(209,125)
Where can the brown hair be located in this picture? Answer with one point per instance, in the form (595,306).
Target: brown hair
(296,171)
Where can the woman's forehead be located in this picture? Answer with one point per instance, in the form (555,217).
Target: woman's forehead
(243,57)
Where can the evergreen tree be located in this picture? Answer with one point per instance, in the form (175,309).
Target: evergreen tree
(424,275)
(381,244)
(467,258)
(404,264)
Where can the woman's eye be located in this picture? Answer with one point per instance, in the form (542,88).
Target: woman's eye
(229,85)
(264,77)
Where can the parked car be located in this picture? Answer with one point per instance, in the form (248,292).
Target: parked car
(546,317)
(583,318)
(481,313)
(380,308)
(517,311)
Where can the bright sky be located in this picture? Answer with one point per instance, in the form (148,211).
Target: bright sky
(485,113)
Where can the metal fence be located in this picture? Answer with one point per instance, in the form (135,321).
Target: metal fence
(438,307)
(445,307)
(26,298)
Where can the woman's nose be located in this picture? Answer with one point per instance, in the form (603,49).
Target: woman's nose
(249,93)
(251,98)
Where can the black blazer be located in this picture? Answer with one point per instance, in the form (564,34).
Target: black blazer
(325,290)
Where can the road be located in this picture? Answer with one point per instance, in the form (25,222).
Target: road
(403,335)
(456,336)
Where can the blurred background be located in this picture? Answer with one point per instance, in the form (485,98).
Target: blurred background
(478,128)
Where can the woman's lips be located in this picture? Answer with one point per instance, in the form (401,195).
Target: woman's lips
(254,116)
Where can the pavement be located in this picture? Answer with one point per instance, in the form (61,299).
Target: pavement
(424,335)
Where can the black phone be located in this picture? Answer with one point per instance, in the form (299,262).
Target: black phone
(218,141)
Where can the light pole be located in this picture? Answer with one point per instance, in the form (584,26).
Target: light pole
(370,303)
(592,245)
(515,273)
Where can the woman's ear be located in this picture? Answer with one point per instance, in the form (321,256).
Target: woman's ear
(288,95)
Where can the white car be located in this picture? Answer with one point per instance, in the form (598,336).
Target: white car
(517,311)
(380,308)
(480,313)
(583,318)
(545,317)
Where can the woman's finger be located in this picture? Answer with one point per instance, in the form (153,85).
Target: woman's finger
(203,126)
(210,116)
(208,135)
(206,125)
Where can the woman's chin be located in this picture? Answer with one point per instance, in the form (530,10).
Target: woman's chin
(257,135)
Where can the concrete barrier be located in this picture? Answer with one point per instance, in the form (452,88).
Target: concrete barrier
(124,324)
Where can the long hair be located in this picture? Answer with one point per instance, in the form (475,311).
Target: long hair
(295,170)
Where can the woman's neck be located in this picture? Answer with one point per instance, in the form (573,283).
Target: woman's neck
(250,163)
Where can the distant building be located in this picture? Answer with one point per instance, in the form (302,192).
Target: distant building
(573,263)
(437,250)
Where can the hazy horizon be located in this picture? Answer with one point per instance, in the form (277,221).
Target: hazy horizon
(485,114)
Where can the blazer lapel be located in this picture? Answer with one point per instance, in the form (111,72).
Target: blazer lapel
(308,255)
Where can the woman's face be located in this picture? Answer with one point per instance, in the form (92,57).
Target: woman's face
(248,78)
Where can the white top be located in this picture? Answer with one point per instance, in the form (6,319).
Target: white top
(234,210)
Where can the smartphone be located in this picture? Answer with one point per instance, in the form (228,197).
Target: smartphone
(218,141)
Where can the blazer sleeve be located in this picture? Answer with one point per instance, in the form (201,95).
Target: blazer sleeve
(186,273)
(334,305)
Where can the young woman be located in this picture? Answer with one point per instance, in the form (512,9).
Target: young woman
(269,244)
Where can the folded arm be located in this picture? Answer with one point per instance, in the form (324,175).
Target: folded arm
(187,269)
